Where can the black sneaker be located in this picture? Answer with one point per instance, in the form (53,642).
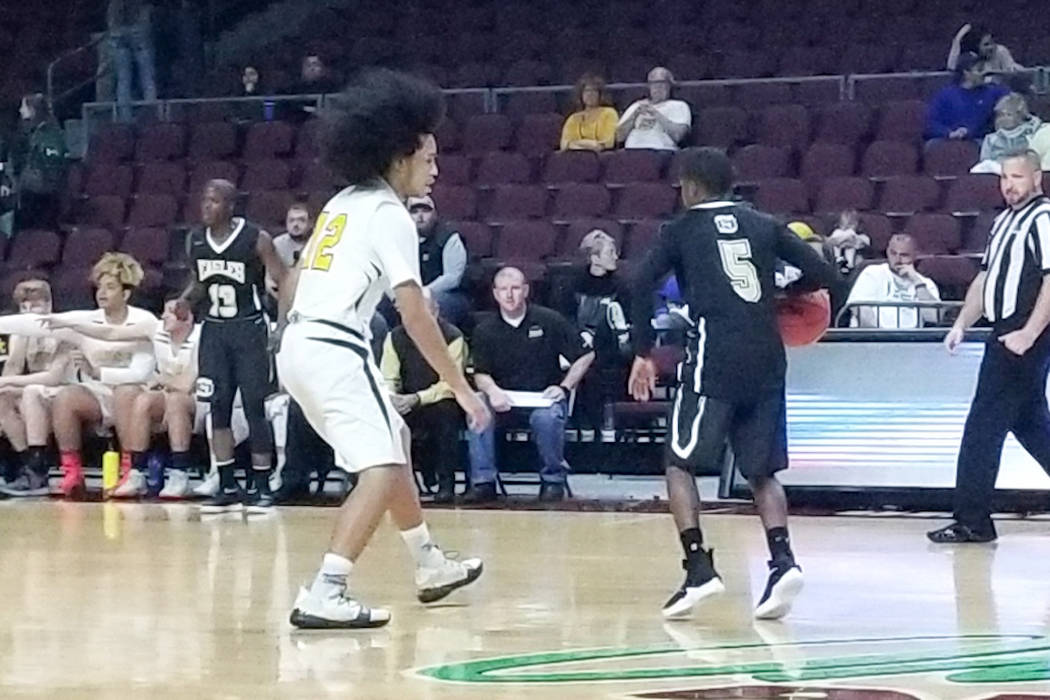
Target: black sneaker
(258,502)
(784,585)
(957,533)
(701,582)
(551,492)
(29,484)
(223,502)
(480,494)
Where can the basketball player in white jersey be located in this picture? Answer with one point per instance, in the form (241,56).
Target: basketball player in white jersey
(102,366)
(31,361)
(379,137)
(165,401)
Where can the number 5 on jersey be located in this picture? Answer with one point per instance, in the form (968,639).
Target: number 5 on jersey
(326,235)
(736,262)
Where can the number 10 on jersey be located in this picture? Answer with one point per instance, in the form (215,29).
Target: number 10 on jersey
(327,233)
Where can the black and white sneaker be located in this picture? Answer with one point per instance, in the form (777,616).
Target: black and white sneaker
(29,484)
(257,502)
(701,583)
(784,585)
(337,611)
(223,502)
(433,584)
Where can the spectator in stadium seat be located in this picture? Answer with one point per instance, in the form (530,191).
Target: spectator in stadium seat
(592,127)
(1015,129)
(442,261)
(298,225)
(598,300)
(314,77)
(38,162)
(131,50)
(895,280)
(963,110)
(518,349)
(994,60)
(427,403)
(656,122)
(848,242)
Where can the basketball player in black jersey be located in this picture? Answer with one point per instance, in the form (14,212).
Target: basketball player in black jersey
(731,384)
(229,259)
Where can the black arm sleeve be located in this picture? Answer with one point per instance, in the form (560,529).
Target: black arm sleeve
(816,272)
(658,262)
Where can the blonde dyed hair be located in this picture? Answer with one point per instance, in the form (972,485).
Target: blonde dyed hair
(120,265)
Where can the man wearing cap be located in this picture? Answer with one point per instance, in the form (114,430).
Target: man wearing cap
(442,261)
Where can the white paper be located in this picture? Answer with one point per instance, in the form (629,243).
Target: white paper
(528,399)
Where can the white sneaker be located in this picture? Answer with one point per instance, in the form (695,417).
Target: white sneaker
(433,584)
(275,481)
(177,485)
(209,487)
(134,486)
(785,583)
(335,612)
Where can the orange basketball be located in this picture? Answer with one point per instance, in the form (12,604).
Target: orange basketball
(804,318)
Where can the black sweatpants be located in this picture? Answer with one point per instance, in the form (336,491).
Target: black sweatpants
(435,439)
(1010,397)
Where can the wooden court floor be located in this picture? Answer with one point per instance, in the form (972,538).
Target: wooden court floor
(110,601)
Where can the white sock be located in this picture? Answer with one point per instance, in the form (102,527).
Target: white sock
(332,576)
(421,547)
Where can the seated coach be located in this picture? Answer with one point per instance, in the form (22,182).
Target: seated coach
(519,349)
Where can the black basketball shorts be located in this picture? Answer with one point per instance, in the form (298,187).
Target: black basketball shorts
(233,355)
(701,426)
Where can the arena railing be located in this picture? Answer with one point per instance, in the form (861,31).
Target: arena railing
(942,308)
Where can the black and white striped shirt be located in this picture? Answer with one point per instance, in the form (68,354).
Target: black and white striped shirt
(1016,259)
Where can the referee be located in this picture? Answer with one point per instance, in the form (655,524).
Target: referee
(1013,292)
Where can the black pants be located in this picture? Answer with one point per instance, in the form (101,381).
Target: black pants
(435,440)
(232,356)
(1010,397)
(306,452)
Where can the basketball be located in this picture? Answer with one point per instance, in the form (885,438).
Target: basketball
(803,319)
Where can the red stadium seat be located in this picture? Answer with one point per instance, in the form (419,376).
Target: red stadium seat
(213,141)
(267,140)
(32,248)
(85,246)
(949,158)
(108,179)
(260,175)
(883,159)
(500,168)
(646,200)
(162,178)
(907,194)
(837,194)
(455,202)
(634,165)
(782,196)
(512,202)
(935,234)
(525,241)
(487,132)
(160,142)
(758,162)
(582,200)
(972,194)
(571,166)
(824,160)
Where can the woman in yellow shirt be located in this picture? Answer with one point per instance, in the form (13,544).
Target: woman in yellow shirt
(593,126)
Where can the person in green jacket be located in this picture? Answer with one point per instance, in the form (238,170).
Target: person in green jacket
(38,165)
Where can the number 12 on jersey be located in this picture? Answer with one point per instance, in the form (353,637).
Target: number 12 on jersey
(327,234)
(736,262)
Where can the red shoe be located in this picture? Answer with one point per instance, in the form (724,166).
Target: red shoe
(72,486)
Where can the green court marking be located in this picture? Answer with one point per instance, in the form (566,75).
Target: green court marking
(993,658)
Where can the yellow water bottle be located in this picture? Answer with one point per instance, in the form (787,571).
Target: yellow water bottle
(110,471)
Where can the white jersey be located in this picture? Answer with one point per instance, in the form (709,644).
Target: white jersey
(176,365)
(364,244)
(119,361)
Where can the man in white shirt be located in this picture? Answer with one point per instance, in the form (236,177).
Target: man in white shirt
(656,122)
(299,225)
(892,282)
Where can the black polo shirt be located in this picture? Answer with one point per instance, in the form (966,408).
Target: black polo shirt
(526,358)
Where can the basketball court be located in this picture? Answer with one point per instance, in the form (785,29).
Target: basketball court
(108,601)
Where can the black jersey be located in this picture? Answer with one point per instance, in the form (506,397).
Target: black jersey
(724,255)
(232,272)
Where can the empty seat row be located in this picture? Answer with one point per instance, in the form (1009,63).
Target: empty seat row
(202,141)
(175,178)
(966,195)
(268,208)
(880,159)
